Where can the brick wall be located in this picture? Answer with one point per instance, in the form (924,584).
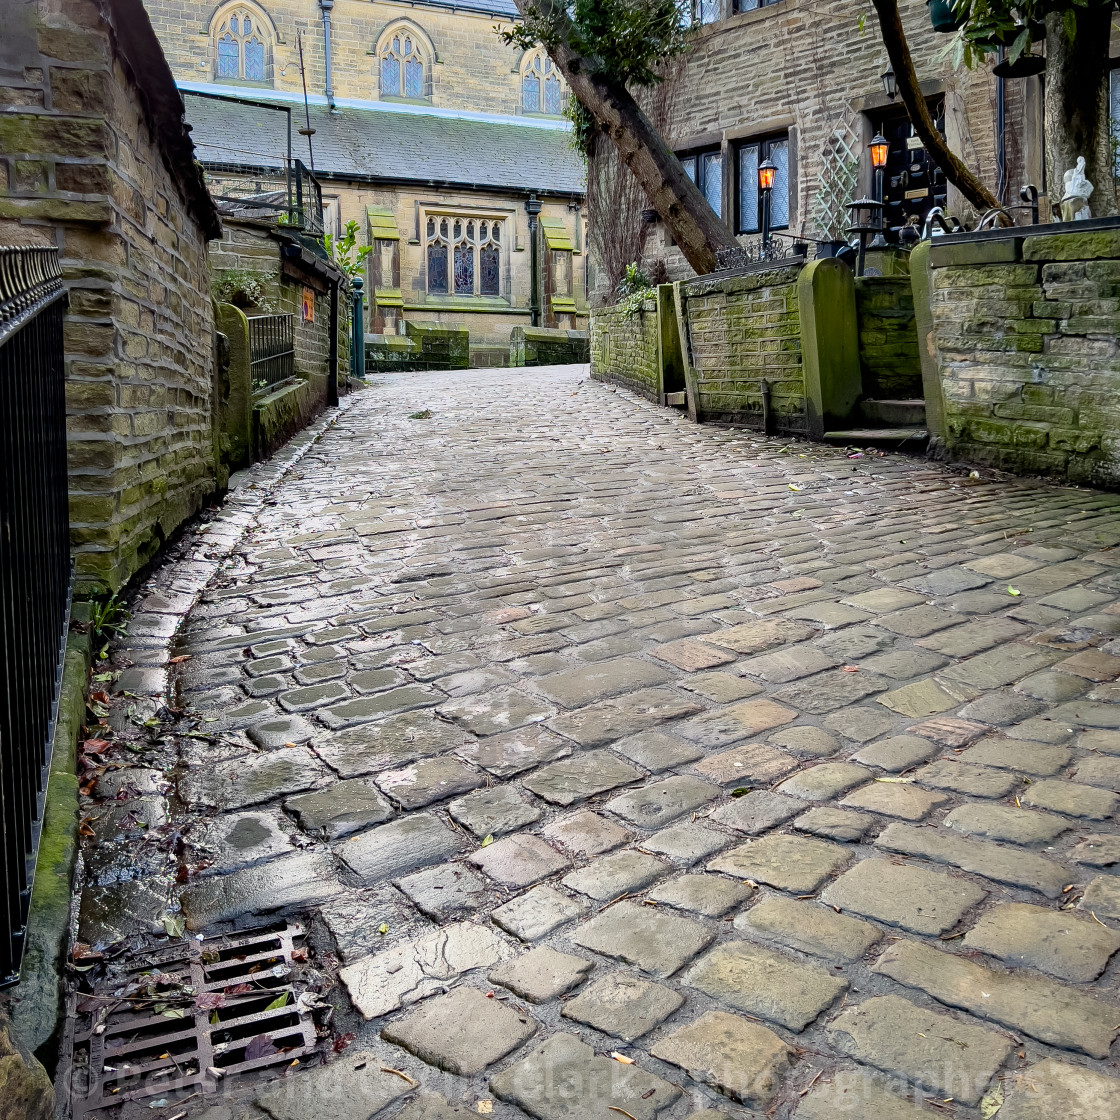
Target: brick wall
(745,331)
(624,348)
(1025,332)
(86,165)
(888,339)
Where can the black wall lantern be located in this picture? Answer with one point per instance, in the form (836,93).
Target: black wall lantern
(890,83)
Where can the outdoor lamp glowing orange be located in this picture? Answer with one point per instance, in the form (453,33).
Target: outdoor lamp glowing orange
(879,148)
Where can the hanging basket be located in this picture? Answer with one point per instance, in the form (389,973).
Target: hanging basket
(942,16)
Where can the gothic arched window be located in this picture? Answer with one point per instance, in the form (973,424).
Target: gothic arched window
(541,91)
(464,256)
(242,45)
(403,66)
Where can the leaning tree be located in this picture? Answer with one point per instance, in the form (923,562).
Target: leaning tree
(1076,101)
(604,48)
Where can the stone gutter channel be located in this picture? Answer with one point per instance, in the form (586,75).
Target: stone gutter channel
(130,836)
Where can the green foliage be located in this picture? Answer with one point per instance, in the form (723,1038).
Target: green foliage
(1014,24)
(107,616)
(583,123)
(634,289)
(345,250)
(242,287)
(627,40)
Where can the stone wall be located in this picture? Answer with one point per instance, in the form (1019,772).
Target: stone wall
(469,67)
(745,333)
(624,348)
(93,158)
(888,339)
(544,346)
(1021,342)
(423,346)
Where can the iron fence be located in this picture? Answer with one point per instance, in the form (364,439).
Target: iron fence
(35,568)
(272,355)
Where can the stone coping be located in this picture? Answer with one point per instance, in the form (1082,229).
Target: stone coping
(1043,228)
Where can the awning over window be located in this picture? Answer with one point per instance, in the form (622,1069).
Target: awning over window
(382,224)
(555,235)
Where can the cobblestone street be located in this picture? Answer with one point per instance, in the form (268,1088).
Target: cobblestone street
(620,767)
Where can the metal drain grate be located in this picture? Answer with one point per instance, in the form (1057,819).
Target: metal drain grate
(190,1018)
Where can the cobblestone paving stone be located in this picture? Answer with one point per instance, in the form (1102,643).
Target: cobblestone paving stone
(579,732)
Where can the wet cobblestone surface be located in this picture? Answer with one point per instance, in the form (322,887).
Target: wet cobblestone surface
(623,767)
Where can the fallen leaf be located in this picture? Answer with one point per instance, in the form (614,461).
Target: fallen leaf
(206,1001)
(180,659)
(383,929)
(795,489)
(280,1001)
(1013,590)
(487,1107)
(850,668)
(487,840)
(259,1047)
(993,1102)
(174,925)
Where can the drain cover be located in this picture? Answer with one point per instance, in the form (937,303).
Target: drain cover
(188,1019)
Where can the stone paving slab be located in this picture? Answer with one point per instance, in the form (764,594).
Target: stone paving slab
(561,617)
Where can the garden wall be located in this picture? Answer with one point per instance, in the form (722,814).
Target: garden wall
(744,334)
(1022,349)
(888,340)
(423,346)
(548,346)
(624,348)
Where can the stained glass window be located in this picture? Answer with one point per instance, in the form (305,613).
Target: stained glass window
(228,58)
(402,68)
(254,60)
(241,48)
(464,269)
(490,267)
(552,95)
(537,70)
(437,268)
(531,93)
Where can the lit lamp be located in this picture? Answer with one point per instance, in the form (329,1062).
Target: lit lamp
(879,148)
(890,83)
(766,173)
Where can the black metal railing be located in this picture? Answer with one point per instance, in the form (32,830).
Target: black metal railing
(35,569)
(272,354)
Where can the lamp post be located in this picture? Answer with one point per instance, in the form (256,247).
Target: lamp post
(766,173)
(879,148)
(533,208)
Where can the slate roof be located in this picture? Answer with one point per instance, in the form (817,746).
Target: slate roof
(380,144)
(504,8)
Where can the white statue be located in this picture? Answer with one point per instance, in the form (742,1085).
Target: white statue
(1075,200)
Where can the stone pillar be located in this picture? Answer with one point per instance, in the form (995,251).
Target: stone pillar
(237,407)
(829,342)
(921,283)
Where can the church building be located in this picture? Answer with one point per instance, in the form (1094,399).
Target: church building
(450,148)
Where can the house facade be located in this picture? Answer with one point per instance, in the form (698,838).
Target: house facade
(449,148)
(801,84)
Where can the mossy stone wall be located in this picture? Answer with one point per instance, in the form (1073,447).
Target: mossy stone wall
(745,331)
(888,340)
(1027,336)
(547,346)
(624,348)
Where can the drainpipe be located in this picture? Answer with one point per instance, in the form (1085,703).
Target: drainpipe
(533,208)
(1001,135)
(325,7)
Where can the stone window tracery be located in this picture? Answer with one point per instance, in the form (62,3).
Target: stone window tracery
(404,66)
(242,46)
(541,91)
(464,256)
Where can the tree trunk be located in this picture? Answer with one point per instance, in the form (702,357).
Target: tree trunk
(898,50)
(679,202)
(1076,104)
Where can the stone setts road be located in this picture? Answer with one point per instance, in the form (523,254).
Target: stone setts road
(576,730)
